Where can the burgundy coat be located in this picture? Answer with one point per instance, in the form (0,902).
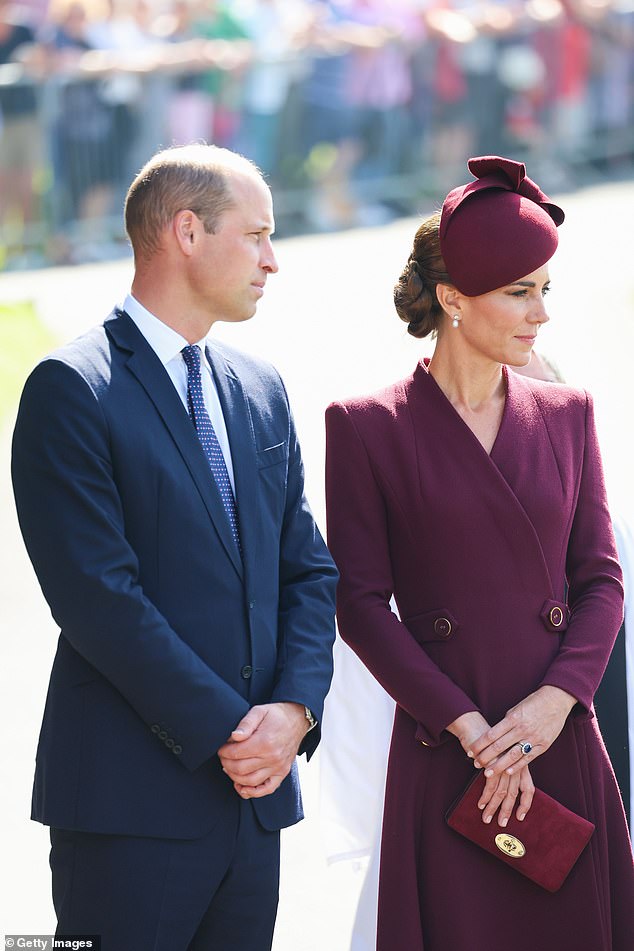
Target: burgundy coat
(478,550)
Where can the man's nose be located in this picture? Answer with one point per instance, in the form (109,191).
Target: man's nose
(268,259)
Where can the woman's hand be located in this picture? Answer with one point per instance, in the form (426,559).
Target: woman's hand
(468,728)
(538,720)
(500,791)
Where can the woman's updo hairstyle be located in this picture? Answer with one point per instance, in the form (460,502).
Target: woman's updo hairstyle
(415,291)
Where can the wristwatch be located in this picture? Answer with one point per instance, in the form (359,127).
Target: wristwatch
(311,719)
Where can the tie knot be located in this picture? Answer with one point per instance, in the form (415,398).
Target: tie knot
(191,356)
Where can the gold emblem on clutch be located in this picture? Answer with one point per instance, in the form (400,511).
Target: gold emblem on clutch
(510,845)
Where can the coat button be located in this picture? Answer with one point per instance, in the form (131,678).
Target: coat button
(162,735)
(169,742)
(556,616)
(246,672)
(155,728)
(442,627)
(177,749)
(251,605)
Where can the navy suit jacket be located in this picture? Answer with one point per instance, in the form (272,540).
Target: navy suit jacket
(167,637)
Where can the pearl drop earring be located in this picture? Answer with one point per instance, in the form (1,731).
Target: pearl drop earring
(455,323)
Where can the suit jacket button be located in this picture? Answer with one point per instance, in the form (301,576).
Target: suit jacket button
(155,728)
(442,626)
(177,749)
(169,742)
(162,735)
(246,672)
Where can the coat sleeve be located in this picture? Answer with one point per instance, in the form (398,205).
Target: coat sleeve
(595,589)
(308,580)
(72,521)
(358,537)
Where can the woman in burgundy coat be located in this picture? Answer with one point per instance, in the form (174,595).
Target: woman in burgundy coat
(475,497)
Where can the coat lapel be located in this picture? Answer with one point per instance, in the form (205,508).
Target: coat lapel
(239,422)
(143,363)
(533,461)
(472,465)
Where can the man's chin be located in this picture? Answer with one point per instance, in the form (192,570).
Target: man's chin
(240,318)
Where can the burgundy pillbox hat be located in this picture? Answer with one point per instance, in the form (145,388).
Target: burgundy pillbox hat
(497,228)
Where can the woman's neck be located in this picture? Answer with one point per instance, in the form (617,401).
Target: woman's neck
(469,383)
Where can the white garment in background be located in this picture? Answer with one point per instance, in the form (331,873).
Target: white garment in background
(356,731)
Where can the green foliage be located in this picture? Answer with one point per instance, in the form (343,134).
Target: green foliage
(23,340)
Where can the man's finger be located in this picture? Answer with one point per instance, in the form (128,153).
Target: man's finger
(248,725)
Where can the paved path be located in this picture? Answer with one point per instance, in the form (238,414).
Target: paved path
(328,324)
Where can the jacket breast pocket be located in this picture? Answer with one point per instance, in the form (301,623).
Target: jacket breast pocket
(272,469)
(432,626)
(272,456)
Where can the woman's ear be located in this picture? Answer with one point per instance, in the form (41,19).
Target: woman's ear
(449,298)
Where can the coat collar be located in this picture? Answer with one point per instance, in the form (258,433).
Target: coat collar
(144,364)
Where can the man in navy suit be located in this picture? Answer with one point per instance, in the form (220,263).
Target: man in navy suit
(159,487)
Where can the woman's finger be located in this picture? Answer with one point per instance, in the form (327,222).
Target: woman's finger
(496,749)
(507,804)
(484,745)
(527,792)
(514,760)
(493,794)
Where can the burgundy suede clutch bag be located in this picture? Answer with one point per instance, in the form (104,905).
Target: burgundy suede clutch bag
(544,847)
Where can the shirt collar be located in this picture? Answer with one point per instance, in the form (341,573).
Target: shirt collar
(166,342)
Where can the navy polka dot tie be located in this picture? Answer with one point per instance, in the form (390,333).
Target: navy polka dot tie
(207,436)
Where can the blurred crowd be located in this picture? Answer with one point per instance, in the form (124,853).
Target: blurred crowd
(352,108)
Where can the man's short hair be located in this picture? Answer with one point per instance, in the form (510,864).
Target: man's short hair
(195,177)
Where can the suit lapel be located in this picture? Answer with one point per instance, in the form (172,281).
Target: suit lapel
(143,363)
(239,422)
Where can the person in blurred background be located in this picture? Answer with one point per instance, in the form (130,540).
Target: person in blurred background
(83,132)
(21,153)
(614,700)
(273,28)
(475,497)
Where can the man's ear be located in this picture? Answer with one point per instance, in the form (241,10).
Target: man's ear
(185,226)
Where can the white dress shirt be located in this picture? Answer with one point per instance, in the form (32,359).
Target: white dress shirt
(167,345)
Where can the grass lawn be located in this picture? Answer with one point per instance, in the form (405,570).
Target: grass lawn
(23,340)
